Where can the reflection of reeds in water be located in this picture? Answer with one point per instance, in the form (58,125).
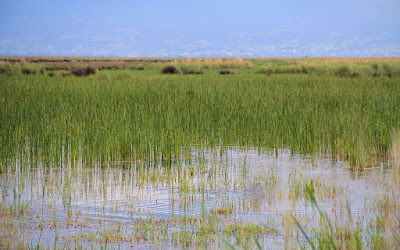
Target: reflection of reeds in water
(395,155)
(395,149)
(383,230)
(212,201)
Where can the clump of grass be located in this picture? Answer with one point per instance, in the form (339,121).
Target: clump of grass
(268,72)
(375,74)
(170,69)
(375,67)
(341,67)
(225,72)
(28,71)
(18,69)
(6,68)
(83,71)
(219,63)
(388,70)
(327,237)
(190,93)
(108,67)
(137,68)
(188,71)
(272,68)
(345,71)
(55,68)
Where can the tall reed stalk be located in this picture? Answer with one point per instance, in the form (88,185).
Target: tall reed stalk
(126,115)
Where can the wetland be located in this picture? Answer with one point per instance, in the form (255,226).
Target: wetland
(172,153)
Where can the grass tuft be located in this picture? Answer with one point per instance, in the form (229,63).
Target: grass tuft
(27,71)
(170,69)
(83,71)
(345,71)
(225,72)
(188,71)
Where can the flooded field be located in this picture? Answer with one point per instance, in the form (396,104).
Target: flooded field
(150,153)
(230,198)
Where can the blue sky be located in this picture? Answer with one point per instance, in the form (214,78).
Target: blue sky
(200,28)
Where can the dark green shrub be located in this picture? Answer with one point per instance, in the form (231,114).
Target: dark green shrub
(304,69)
(84,71)
(375,74)
(388,70)
(28,72)
(170,69)
(7,69)
(375,66)
(344,71)
(187,71)
(55,68)
(137,68)
(225,72)
(190,93)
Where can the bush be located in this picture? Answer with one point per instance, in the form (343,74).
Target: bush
(137,68)
(267,71)
(84,71)
(170,69)
(187,71)
(225,72)
(346,71)
(7,69)
(375,66)
(388,70)
(190,93)
(28,72)
(343,71)
(55,68)
(304,70)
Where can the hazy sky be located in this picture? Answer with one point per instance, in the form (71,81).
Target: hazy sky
(200,28)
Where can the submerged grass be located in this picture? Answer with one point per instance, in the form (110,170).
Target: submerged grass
(382,233)
(143,115)
(195,205)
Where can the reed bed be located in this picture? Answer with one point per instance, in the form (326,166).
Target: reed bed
(145,115)
(129,155)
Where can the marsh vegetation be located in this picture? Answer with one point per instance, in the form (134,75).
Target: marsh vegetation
(172,152)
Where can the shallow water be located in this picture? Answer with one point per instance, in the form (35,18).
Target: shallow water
(205,198)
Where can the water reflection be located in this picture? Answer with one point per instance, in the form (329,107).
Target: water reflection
(234,188)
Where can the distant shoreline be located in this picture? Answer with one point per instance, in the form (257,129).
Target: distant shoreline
(34,59)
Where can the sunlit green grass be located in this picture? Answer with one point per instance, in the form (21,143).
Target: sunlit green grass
(128,114)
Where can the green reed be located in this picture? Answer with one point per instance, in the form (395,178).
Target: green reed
(144,115)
